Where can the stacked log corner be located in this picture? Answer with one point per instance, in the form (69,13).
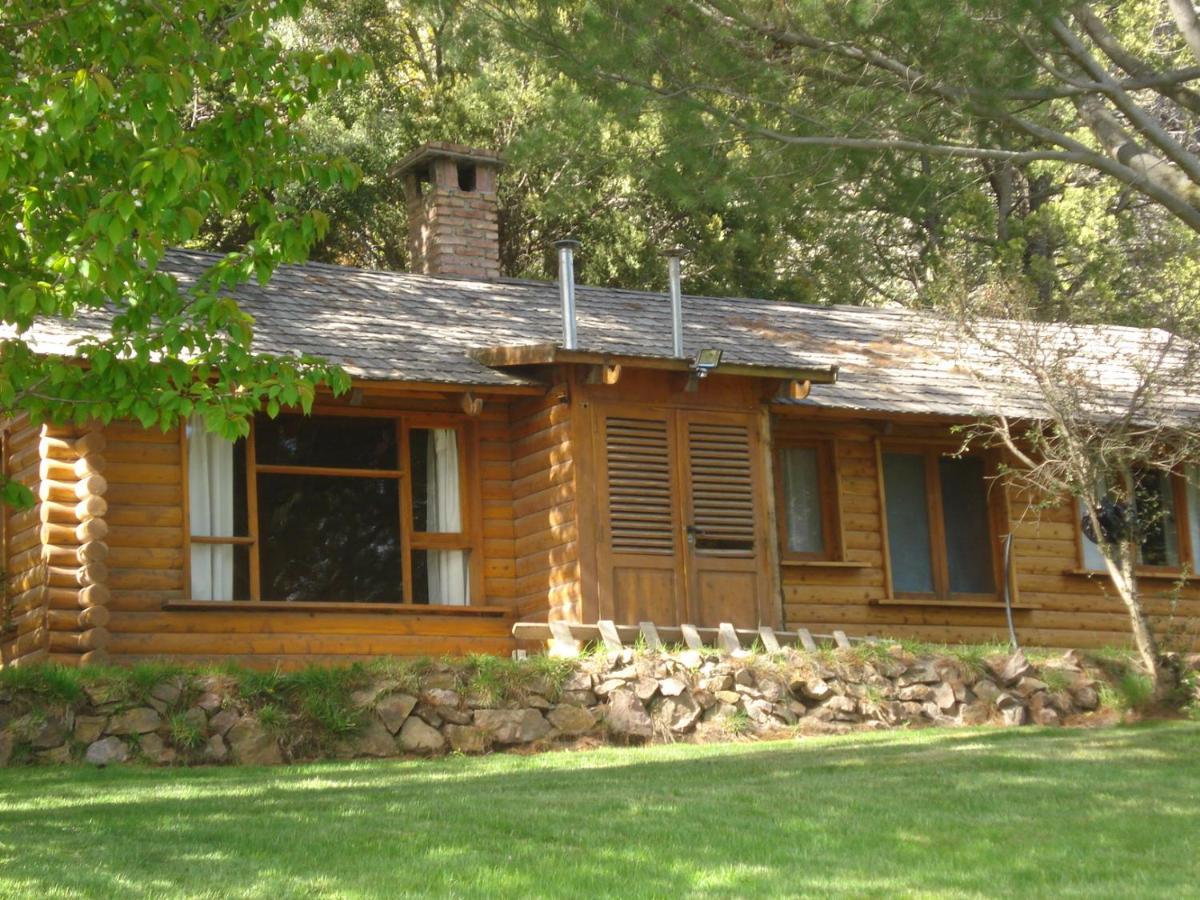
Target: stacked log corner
(57,550)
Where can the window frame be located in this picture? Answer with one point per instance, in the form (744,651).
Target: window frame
(996,494)
(1183,521)
(829,486)
(468,539)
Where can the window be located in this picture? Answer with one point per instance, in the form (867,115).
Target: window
(329,508)
(1170,505)
(807,501)
(939,524)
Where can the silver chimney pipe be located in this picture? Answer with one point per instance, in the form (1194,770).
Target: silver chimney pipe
(674,255)
(566,288)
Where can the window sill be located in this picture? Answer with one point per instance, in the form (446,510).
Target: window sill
(826,563)
(954,604)
(399,609)
(1158,574)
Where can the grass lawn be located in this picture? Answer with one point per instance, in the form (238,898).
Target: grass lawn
(929,813)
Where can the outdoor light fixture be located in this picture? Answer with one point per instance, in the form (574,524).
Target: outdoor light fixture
(706,361)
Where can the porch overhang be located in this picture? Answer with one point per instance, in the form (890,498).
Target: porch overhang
(512,356)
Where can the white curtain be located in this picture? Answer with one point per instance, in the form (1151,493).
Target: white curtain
(447,568)
(210,506)
(1193,512)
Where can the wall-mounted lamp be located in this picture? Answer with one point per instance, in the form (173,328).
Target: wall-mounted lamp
(706,361)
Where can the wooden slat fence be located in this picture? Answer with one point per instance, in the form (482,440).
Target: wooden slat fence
(725,637)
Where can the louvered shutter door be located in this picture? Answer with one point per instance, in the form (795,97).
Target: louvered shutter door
(639,486)
(722,487)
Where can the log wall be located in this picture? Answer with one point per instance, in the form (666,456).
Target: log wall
(1055,605)
(545,527)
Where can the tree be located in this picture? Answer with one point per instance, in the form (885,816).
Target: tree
(1103,419)
(127,125)
(1036,139)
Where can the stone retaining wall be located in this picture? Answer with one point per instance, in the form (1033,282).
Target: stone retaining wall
(623,698)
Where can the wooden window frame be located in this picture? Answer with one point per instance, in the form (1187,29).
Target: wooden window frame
(829,488)
(468,539)
(997,514)
(1182,529)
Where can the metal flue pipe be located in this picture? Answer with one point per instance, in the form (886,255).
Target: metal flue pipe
(566,289)
(674,256)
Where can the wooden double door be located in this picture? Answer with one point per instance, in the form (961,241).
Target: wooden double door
(682,529)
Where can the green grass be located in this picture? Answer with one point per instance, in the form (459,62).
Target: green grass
(966,813)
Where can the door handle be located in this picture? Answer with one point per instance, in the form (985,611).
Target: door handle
(693,532)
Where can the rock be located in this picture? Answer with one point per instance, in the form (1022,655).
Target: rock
(838,707)
(624,673)
(976,713)
(537,701)
(1009,670)
(760,711)
(578,698)
(468,738)
(209,702)
(722,682)
(920,672)
(168,691)
(1046,716)
(679,713)
(513,726)
(1012,715)
(733,698)
(107,750)
(428,715)
(394,709)
(418,737)
(917,693)
(47,733)
(645,688)
(438,697)
(1086,698)
(1027,685)
(813,688)
(578,681)
(944,696)
(56,756)
(627,717)
(139,720)
(771,689)
(251,745)
(215,749)
(6,748)
(744,677)
(690,659)
(671,687)
(373,739)
(152,749)
(223,721)
(572,720)
(986,690)
(459,716)
(100,693)
(606,687)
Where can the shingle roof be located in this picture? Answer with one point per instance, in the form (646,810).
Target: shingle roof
(403,327)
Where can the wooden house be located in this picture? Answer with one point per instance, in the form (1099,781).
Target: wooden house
(497,461)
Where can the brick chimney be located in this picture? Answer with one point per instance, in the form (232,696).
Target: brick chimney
(452,224)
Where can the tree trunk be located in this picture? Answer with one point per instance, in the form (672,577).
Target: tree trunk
(1125,581)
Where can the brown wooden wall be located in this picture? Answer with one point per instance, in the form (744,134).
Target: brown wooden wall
(1054,604)
(546,547)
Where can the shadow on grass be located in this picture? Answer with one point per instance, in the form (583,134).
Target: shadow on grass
(933,812)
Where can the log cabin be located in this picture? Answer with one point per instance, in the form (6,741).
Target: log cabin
(515,451)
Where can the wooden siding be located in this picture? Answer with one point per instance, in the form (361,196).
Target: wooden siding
(1055,605)
(545,527)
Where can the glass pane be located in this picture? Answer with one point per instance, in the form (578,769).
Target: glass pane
(216,483)
(433,465)
(441,577)
(802,500)
(220,572)
(341,442)
(1092,557)
(908,522)
(1156,513)
(329,538)
(968,536)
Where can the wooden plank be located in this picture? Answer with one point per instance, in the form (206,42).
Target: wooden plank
(650,636)
(770,643)
(691,637)
(806,640)
(727,638)
(839,638)
(609,635)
